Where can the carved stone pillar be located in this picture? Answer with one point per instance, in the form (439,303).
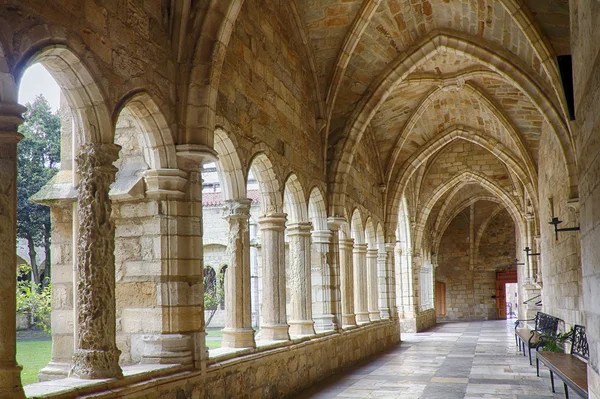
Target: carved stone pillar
(322,287)
(96,354)
(274,325)
(347,282)
(391,279)
(238,331)
(334,223)
(10,371)
(301,322)
(384,288)
(373,297)
(360,283)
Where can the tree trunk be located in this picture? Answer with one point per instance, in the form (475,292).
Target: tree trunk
(32,257)
(48,268)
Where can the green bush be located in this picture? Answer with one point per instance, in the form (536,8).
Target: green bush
(35,300)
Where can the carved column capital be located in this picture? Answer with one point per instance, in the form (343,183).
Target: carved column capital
(360,248)
(236,208)
(372,253)
(273,221)
(193,156)
(347,243)
(300,228)
(390,247)
(335,222)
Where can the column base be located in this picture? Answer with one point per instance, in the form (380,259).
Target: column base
(362,317)
(349,320)
(55,371)
(93,364)
(238,338)
(374,315)
(301,327)
(274,332)
(324,323)
(10,381)
(384,313)
(167,349)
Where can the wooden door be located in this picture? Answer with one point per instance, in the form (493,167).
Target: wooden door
(440,299)
(502,278)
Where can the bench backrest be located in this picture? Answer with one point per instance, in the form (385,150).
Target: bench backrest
(546,324)
(579,345)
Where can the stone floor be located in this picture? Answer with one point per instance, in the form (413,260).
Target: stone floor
(452,360)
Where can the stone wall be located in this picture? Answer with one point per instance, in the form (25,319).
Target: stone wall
(560,259)
(585,41)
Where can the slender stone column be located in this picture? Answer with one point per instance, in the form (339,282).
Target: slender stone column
(10,371)
(382,276)
(301,322)
(274,325)
(360,283)
(238,332)
(96,354)
(391,279)
(347,282)
(322,287)
(335,277)
(373,296)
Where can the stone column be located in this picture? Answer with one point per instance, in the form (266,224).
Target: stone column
(335,277)
(382,276)
(373,297)
(301,322)
(360,283)
(274,325)
(322,287)
(238,331)
(10,371)
(96,354)
(347,282)
(391,279)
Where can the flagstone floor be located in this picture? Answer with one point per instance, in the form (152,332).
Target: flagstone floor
(450,361)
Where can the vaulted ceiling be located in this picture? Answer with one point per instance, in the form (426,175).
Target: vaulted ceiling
(456,94)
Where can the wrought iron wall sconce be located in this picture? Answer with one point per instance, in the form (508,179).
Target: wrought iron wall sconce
(528,250)
(555,222)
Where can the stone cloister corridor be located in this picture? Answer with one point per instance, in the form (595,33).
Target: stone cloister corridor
(346,172)
(450,361)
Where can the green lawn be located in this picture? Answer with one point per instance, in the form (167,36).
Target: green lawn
(211,334)
(33,355)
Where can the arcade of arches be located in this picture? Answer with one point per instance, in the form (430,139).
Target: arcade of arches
(403,153)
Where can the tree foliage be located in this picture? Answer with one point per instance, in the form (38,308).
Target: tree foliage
(38,157)
(34,300)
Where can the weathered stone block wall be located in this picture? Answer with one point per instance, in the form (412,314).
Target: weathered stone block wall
(266,92)
(560,260)
(585,43)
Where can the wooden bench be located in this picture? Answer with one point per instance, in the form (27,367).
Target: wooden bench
(544,325)
(569,367)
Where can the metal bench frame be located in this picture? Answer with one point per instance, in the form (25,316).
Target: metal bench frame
(544,325)
(579,349)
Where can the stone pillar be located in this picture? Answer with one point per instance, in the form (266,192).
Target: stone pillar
(274,325)
(322,287)
(391,279)
(382,277)
(238,331)
(347,282)
(335,277)
(301,322)
(360,283)
(373,297)
(189,250)
(96,354)
(10,371)
(529,260)
(61,213)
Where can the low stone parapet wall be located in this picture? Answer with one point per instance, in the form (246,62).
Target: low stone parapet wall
(267,372)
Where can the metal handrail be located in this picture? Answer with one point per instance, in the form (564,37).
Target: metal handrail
(531,299)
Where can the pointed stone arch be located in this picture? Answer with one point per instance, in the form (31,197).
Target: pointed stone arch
(317,210)
(229,166)
(270,194)
(370,233)
(294,200)
(156,133)
(81,90)
(357,228)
